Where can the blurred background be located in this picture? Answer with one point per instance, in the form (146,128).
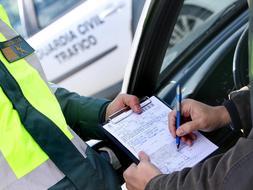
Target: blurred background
(84,45)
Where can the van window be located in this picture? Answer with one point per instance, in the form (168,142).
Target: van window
(11,7)
(48,10)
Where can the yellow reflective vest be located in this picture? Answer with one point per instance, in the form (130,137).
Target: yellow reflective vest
(37,148)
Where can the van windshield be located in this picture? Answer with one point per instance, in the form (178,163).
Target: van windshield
(49,10)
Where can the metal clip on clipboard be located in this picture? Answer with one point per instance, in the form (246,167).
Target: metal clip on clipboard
(126,111)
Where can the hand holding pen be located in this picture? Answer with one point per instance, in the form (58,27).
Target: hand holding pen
(196,116)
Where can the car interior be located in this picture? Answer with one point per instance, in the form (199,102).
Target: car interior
(210,69)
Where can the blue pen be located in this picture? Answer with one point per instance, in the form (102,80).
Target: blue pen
(178,109)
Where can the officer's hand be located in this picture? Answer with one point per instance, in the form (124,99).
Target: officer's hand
(137,176)
(197,116)
(121,101)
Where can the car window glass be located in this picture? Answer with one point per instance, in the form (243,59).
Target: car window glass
(48,10)
(195,18)
(137,6)
(11,6)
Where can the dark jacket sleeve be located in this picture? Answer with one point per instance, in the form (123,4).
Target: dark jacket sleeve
(229,171)
(239,109)
(83,114)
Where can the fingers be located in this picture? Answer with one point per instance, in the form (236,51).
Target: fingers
(187,128)
(137,177)
(133,166)
(122,101)
(189,139)
(186,108)
(128,174)
(172,116)
(143,156)
(172,123)
(132,102)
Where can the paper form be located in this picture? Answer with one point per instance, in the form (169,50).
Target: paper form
(149,132)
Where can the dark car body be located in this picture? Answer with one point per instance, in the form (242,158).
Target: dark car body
(201,62)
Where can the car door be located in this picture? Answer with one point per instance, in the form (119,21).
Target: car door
(201,61)
(151,43)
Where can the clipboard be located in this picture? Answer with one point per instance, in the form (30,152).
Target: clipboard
(148,132)
(126,111)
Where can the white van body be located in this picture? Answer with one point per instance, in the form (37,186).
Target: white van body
(86,50)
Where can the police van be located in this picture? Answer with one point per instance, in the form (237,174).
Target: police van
(84,45)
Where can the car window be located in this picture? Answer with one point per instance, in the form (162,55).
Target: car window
(11,6)
(48,10)
(195,19)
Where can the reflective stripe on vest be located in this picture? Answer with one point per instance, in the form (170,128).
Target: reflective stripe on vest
(43,177)
(15,140)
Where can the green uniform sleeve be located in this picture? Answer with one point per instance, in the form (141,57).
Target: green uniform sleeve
(83,114)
